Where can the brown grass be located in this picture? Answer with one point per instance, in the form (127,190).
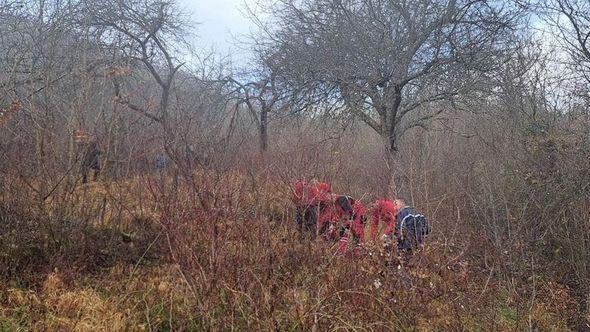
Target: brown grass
(226,258)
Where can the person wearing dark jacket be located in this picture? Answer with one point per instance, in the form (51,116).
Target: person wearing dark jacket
(161,162)
(410,227)
(91,162)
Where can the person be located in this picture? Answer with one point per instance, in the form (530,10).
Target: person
(383,210)
(319,212)
(410,226)
(161,162)
(313,210)
(353,227)
(91,162)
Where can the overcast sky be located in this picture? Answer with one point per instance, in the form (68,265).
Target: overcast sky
(220,21)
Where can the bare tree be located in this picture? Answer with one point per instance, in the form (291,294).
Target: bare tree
(385,59)
(6,6)
(46,66)
(262,93)
(146,33)
(260,98)
(571,22)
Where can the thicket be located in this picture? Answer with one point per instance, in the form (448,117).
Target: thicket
(208,242)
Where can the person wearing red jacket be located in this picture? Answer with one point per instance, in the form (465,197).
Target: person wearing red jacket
(353,228)
(383,210)
(312,205)
(339,213)
(334,217)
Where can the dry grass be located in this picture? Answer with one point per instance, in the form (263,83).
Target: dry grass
(226,257)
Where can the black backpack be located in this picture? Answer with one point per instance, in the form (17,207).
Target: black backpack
(414,227)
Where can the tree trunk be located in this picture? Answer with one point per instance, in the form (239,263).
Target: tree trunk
(392,185)
(164,116)
(392,112)
(391,170)
(263,130)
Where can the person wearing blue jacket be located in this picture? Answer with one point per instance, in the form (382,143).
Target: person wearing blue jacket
(410,227)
